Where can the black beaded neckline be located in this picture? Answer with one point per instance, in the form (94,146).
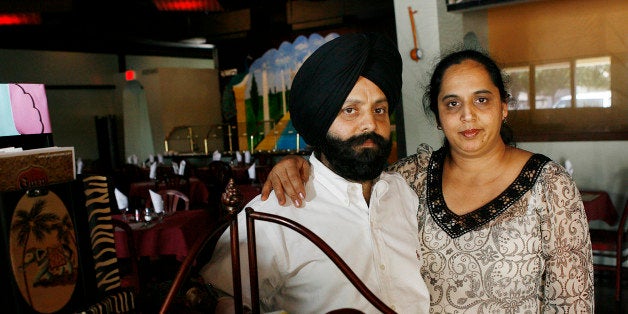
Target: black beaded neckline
(456,225)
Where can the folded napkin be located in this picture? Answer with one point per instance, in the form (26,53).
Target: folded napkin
(160,158)
(153,171)
(175,168)
(251,171)
(123,201)
(79,166)
(158,202)
(216,155)
(247,157)
(151,158)
(182,167)
(129,159)
(134,159)
(238,156)
(569,167)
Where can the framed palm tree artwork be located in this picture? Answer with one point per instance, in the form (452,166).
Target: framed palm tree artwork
(43,240)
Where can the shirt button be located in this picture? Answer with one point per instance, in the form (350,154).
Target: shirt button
(382,267)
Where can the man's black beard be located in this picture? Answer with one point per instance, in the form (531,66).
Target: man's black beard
(356,164)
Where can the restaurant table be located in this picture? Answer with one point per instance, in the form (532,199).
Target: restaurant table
(198,191)
(174,235)
(598,206)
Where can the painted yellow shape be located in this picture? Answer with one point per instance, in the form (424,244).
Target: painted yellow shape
(268,143)
(239,94)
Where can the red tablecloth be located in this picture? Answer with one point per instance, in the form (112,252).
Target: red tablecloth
(174,235)
(198,191)
(599,206)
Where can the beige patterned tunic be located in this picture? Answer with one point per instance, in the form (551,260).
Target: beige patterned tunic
(527,251)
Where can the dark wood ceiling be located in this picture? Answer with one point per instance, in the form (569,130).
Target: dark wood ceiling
(136,26)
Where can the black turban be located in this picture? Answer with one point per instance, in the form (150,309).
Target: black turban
(326,78)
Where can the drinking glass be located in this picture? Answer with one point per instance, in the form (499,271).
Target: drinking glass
(148,216)
(125,218)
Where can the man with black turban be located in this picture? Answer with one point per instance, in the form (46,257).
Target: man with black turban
(340,102)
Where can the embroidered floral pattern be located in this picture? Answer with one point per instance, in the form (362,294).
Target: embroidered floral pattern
(456,225)
(527,251)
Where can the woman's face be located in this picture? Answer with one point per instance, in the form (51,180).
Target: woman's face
(470,109)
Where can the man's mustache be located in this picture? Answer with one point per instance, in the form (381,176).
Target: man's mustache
(379,140)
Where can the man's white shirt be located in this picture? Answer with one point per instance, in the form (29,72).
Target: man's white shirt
(378,241)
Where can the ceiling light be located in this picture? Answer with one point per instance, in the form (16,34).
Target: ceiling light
(20,19)
(188,5)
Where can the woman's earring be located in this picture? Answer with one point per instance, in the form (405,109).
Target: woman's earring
(439,127)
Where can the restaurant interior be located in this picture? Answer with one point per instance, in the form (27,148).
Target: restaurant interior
(156,95)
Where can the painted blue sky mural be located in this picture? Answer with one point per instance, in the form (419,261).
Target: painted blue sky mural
(266,125)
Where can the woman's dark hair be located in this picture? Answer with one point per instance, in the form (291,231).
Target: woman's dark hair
(430,98)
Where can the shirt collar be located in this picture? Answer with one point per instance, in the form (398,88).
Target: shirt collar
(342,188)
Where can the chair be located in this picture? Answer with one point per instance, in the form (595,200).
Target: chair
(166,178)
(232,199)
(127,174)
(252,215)
(171,181)
(129,274)
(112,296)
(200,253)
(215,177)
(612,243)
(171,201)
(220,173)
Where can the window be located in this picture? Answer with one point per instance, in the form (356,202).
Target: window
(551,83)
(545,108)
(519,87)
(593,82)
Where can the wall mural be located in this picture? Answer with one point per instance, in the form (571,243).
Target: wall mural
(260,96)
(23,109)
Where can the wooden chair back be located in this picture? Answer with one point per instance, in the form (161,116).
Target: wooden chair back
(232,200)
(215,177)
(173,182)
(220,172)
(252,216)
(173,200)
(127,174)
(611,244)
(167,179)
(129,276)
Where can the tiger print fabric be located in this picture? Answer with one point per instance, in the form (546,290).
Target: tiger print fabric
(114,298)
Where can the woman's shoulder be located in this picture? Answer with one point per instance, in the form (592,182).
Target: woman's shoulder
(553,169)
(548,171)
(423,153)
(413,168)
(424,149)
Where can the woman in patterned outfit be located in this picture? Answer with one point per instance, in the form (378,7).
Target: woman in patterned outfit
(501,229)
